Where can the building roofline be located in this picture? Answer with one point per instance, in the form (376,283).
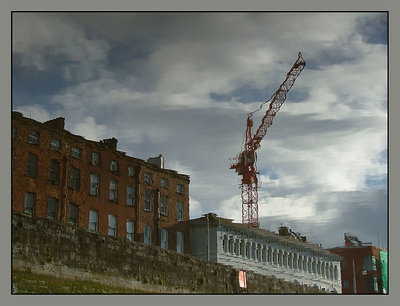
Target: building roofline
(102,144)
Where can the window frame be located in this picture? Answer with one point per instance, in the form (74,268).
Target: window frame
(50,202)
(76,152)
(93,213)
(179,242)
(113,191)
(164,205)
(94,184)
(110,229)
(114,164)
(32,165)
(147,234)
(179,211)
(147,200)
(30,210)
(130,197)
(180,189)
(95,161)
(130,235)
(75,178)
(34,137)
(164,239)
(73,207)
(57,147)
(54,172)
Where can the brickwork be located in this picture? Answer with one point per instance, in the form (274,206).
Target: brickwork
(62,186)
(53,246)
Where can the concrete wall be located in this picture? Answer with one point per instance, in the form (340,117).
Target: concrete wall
(48,243)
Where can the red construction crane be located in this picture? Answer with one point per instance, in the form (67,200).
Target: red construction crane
(246,160)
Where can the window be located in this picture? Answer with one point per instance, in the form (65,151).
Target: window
(147,234)
(345,283)
(369,263)
(179,242)
(112,225)
(33,137)
(54,171)
(131,171)
(52,204)
(164,239)
(129,230)
(147,200)
(164,182)
(29,204)
(179,189)
(148,178)
(94,184)
(130,196)
(114,166)
(113,192)
(55,144)
(179,211)
(32,165)
(371,284)
(13,132)
(344,263)
(73,214)
(95,159)
(76,152)
(164,205)
(93,220)
(75,178)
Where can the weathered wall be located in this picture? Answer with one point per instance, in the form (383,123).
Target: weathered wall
(43,242)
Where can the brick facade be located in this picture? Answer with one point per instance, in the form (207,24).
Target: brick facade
(59,166)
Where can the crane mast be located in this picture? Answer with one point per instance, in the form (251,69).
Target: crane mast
(245,164)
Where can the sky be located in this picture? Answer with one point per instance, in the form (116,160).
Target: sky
(182,84)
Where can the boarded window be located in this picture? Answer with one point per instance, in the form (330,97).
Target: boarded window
(31,170)
(73,214)
(33,137)
(164,205)
(93,220)
(52,205)
(94,184)
(54,171)
(75,178)
(179,211)
(129,230)
(164,239)
(147,200)
(147,234)
(29,204)
(130,196)
(76,152)
(112,225)
(179,242)
(113,192)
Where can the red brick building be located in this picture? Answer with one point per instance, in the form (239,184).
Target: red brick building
(361,270)
(90,184)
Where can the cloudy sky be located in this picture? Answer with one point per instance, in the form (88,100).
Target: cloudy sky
(182,85)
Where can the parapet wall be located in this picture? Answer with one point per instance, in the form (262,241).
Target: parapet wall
(44,242)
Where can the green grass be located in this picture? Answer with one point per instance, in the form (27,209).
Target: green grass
(30,283)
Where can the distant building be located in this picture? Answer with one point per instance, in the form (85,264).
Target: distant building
(280,255)
(364,267)
(90,184)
